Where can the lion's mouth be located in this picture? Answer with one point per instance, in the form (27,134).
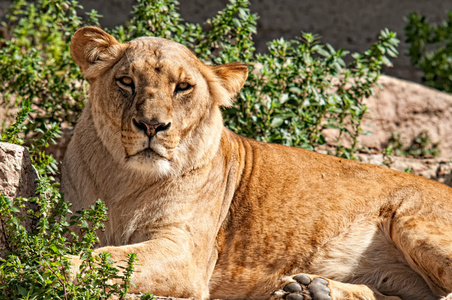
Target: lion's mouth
(147,150)
(148,153)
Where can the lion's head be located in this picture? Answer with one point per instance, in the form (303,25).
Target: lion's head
(155,106)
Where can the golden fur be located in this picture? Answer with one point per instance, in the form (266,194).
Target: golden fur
(214,214)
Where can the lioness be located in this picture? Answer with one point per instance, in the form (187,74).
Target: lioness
(214,214)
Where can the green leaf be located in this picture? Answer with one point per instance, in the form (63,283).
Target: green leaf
(276,122)
(22,291)
(327,126)
(295,90)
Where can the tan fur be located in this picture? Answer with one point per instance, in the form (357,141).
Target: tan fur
(213,214)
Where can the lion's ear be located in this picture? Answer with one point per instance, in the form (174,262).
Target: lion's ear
(232,77)
(90,45)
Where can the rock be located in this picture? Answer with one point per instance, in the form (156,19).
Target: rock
(408,108)
(17,175)
(17,179)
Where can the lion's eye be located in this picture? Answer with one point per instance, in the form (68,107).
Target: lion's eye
(182,86)
(126,80)
(126,84)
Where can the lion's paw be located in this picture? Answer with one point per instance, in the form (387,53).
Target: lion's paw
(302,287)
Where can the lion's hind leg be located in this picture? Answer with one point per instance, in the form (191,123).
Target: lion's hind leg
(422,230)
(307,287)
(427,246)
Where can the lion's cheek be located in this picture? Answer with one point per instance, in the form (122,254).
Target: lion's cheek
(133,147)
(109,135)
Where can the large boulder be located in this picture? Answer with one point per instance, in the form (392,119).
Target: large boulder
(17,174)
(408,108)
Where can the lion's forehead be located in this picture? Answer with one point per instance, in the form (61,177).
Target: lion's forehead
(157,57)
(158,49)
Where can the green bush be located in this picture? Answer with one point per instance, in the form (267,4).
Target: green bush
(431,49)
(35,61)
(302,88)
(293,93)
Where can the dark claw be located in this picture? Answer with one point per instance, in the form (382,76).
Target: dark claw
(303,279)
(321,297)
(293,288)
(319,289)
(320,280)
(294,297)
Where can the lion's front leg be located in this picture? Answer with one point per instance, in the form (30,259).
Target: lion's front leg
(165,267)
(307,287)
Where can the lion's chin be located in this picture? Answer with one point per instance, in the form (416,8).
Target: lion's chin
(149,161)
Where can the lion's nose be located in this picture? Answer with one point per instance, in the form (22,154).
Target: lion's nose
(150,128)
